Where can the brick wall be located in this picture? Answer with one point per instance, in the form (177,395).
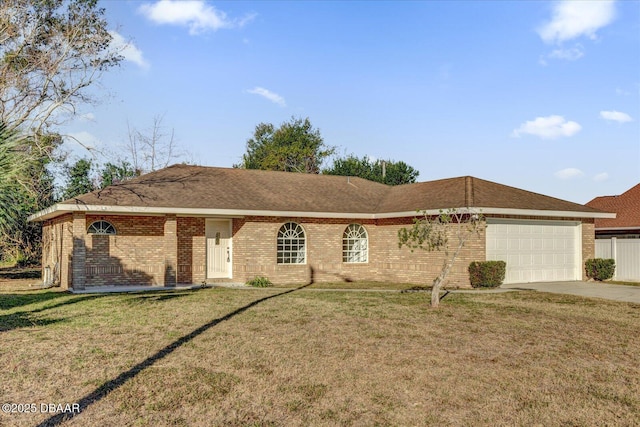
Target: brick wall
(191,250)
(135,255)
(588,243)
(254,246)
(57,248)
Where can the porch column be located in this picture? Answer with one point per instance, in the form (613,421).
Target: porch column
(170,251)
(79,252)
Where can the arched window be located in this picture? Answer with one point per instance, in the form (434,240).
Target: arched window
(355,244)
(101,227)
(291,244)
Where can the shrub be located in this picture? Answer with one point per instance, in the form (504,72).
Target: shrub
(260,282)
(600,268)
(487,274)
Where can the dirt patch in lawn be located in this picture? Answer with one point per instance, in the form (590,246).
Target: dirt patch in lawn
(254,357)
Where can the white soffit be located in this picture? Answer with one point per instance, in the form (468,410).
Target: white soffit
(59,209)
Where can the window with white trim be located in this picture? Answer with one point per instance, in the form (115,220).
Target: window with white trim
(101,227)
(355,244)
(291,244)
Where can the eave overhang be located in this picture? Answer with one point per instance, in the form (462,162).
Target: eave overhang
(61,209)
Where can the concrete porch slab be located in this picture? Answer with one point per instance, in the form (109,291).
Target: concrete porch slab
(121,289)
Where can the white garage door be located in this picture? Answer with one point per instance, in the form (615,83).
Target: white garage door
(536,251)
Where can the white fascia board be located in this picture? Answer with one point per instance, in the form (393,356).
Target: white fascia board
(637,227)
(504,211)
(539,212)
(59,208)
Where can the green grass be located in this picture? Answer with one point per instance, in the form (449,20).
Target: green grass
(273,357)
(618,282)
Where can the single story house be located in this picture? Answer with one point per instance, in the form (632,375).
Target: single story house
(191,224)
(626,224)
(619,238)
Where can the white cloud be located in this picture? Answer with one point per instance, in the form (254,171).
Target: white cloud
(569,173)
(572,19)
(622,92)
(127,49)
(194,14)
(88,117)
(571,54)
(603,176)
(271,96)
(615,116)
(549,127)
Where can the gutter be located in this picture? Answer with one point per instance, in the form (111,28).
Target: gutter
(60,208)
(637,227)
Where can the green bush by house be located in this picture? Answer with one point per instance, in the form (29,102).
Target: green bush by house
(600,268)
(487,274)
(260,282)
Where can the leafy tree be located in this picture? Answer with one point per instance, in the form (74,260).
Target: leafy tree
(386,171)
(293,147)
(113,173)
(51,52)
(78,179)
(25,186)
(435,232)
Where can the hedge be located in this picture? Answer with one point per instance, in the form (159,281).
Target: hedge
(487,274)
(600,268)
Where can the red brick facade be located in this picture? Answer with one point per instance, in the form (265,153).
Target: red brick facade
(169,250)
(254,247)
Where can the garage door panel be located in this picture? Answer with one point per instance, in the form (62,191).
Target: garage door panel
(538,260)
(535,250)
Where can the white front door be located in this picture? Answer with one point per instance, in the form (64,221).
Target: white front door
(219,248)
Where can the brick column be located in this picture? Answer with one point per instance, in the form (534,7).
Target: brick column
(170,251)
(79,252)
(588,244)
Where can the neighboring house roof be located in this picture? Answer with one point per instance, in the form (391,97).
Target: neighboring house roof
(193,190)
(626,206)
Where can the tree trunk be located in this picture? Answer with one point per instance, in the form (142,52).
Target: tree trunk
(435,290)
(435,293)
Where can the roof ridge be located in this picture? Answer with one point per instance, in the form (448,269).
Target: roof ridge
(469,199)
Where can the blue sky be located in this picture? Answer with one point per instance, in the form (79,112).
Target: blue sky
(539,95)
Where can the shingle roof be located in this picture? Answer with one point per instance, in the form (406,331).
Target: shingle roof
(471,192)
(184,186)
(198,187)
(626,206)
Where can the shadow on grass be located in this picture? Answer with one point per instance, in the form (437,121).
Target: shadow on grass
(16,273)
(158,297)
(106,388)
(23,319)
(13,300)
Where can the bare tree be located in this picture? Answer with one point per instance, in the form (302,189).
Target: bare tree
(436,232)
(152,148)
(51,52)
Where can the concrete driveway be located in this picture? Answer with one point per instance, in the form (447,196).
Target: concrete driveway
(583,289)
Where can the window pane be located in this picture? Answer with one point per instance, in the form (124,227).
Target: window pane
(354,244)
(291,244)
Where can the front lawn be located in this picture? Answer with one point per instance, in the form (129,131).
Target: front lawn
(276,357)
